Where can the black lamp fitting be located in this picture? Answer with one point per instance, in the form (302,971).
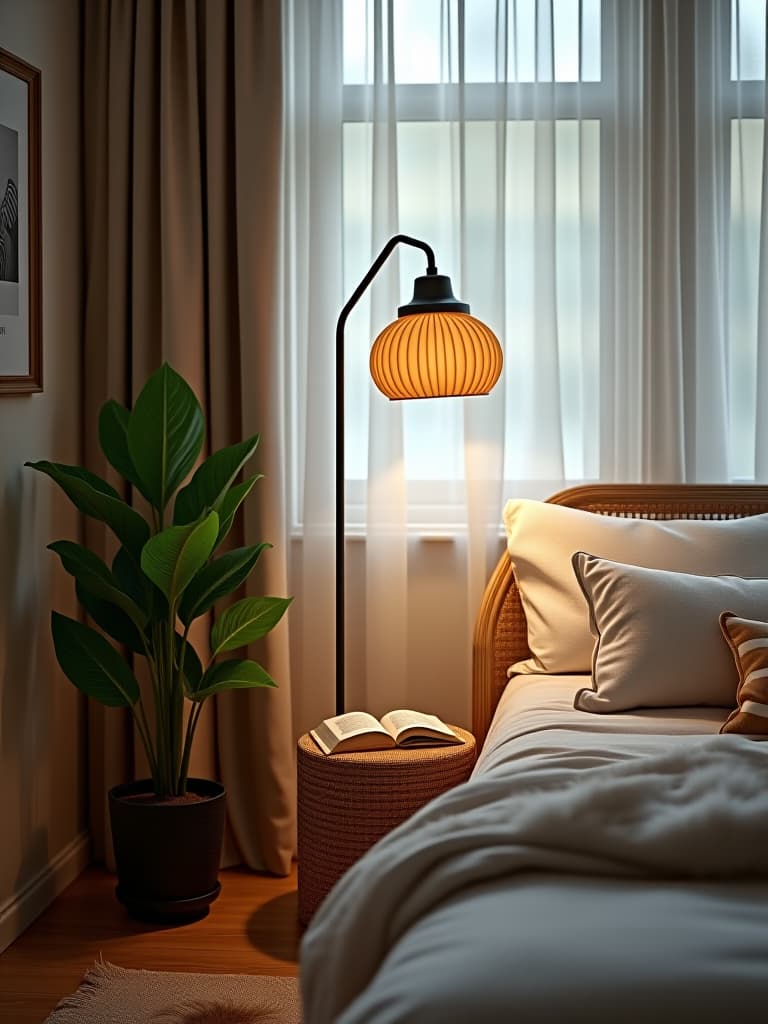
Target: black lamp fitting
(433,293)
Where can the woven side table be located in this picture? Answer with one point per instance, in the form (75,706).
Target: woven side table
(349,801)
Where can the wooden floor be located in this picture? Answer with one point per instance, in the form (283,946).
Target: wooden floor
(251,929)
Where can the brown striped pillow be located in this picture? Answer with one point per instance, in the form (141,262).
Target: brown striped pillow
(748,640)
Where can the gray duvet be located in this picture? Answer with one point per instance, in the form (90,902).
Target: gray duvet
(603,884)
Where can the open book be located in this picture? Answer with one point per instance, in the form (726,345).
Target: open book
(357,730)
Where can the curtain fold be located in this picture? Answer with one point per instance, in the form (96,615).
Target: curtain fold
(312,232)
(663,414)
(183,155)
(706,319)
(386,533)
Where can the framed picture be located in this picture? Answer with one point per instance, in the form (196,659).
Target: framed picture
(21,354)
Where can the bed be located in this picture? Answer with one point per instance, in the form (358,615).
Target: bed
(608,859)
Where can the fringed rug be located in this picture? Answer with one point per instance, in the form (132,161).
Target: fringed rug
(114,995)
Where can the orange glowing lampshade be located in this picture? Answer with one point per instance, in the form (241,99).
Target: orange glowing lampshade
(435,355)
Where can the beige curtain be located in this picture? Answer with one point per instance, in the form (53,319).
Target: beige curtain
(182,151)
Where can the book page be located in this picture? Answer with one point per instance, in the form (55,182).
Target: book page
(352,724)
(351,732)
(396,722)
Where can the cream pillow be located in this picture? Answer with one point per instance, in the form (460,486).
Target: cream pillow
(542,537)
(657,635)
(748,641)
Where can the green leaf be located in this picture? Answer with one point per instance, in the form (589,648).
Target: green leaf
(130,578)
(132,581)
(193,670)
(97,499)
(172,557)
(92,664)
(233,499)
(217,579)
(211,481)
(92,574)
(113,437)
(78,472)
(108,617)
(232,675)
(165,434)
(81,562)
(246,621)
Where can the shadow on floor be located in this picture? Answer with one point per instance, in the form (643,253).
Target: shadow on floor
(280,941)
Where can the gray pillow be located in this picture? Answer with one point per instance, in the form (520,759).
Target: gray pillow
(657,635)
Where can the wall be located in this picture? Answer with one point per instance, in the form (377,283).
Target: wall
(42,718)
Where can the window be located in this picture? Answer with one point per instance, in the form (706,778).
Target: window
(476,101)
(525,141)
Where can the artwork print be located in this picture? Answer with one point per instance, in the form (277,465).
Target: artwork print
(9,221)
(20,227)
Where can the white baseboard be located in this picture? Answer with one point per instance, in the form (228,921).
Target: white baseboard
(18,912)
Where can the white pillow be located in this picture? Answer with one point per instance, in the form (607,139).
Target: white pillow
(658,638)
(542,538)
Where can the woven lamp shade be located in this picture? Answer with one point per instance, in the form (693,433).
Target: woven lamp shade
(435,355)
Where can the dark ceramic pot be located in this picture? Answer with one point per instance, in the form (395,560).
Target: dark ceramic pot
(167,854)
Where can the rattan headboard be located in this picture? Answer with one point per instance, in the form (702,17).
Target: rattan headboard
(500,631)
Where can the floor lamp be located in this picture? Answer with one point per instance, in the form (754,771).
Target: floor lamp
(434,349)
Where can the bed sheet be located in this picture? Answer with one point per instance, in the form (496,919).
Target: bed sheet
(535,715)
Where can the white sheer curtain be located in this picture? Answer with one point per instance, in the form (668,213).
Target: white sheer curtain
(591,176)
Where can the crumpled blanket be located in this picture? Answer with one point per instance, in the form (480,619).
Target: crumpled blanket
(699,812)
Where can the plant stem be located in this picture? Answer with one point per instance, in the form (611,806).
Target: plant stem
(181,780)
(162,780)
(175,700)
(171,723)
(194,715)
(140,719)
(152,751)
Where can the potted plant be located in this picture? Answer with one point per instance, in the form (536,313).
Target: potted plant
(167,830)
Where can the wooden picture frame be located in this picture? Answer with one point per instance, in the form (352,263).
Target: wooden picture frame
(21,352)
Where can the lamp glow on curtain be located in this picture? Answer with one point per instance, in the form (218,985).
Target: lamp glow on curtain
(590,174)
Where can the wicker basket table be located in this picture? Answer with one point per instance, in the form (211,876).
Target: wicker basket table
(346,802)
